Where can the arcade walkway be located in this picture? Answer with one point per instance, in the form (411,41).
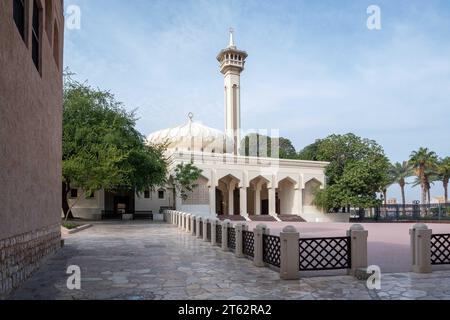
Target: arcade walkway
(156,261)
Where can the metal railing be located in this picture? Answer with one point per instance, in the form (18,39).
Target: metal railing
(408,212)
(325,253)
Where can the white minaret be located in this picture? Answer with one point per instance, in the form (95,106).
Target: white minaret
(232,62)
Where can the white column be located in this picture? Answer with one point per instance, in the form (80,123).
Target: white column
(212,201)
(243,201)
(258,201)
(231,199)
(272,201)
(299,197)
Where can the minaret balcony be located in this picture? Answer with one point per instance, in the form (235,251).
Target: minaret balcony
(232,63)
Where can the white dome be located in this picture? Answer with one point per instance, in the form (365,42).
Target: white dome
(191,136)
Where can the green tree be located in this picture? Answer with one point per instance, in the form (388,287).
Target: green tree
(399,172)
(101,147)
(443,172)
(310,152)
(423,163)
(185,178)
(358,169)
(261,146)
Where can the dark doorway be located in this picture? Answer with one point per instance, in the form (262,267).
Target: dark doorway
(278,204)
(121,205)
(219,203)
(265,207)
(117,203)
(236,202)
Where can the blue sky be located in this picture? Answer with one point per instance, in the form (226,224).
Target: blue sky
(313,69)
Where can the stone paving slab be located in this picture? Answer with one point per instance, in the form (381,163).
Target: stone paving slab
(144,261)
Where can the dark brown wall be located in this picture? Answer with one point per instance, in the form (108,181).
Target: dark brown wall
(30,123)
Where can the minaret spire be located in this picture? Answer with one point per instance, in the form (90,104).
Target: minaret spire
(231,44)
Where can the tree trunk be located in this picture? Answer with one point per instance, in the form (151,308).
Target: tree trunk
(402,187)
(65,203)
(445,190)
(174,198)
(385,197)
(424,199)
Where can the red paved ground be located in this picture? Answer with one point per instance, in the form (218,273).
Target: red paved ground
(388,243)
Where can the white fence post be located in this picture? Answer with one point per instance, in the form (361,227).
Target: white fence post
(214,223)
(198,221)
(188,223)
(238,228)
(205,229)
(289,253)
(259,232)
(358,237)
(193,225)
(358,246)
(225,226)
(421,248)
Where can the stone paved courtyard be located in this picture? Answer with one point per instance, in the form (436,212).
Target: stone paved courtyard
(136,261)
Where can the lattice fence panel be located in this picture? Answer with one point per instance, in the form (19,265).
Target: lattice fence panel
(231,239)
(208,231)
(271,250)
(218,234)
(325,253)
(440,249)
(248,243)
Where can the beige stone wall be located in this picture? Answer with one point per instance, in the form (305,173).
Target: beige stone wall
(154,204)
(30,129)
(20,255)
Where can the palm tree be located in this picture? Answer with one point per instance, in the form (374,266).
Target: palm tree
(422,162)
(430,179)
(443,172)
(399,172)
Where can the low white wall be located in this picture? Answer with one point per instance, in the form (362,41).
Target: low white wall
(87,213)
(312,214)
(158,217)
(195,209)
